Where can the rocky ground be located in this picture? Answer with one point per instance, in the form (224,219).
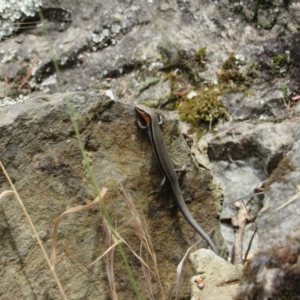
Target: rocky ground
(228,70)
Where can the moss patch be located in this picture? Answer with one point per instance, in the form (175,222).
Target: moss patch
(205,107)
(145,85)
(281,64)
(197,101)
(200,58)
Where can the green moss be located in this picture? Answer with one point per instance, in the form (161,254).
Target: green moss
(182,70)
(238,8)
(203,108)
(173,80)
(230,71)
(231,62)
(231,77)
(178,59)
(284,89)
(200,57)
(252,70)
(100,86)
(145,85)
(13,92)
(281,64)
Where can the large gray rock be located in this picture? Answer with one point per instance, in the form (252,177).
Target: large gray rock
(242,157)
(279,216)
(41,154)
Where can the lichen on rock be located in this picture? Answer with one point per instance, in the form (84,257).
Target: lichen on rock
(12,10)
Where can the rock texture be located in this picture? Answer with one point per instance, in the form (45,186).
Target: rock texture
(243,54)
(219,277)
(243,156)
(273,273)
(40,151)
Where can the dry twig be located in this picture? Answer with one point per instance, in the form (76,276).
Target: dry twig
(239,224)
(29,72)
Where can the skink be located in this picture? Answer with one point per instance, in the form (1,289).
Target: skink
(165,164)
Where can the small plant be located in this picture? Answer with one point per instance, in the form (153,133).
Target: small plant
(230,71)
(281,64)
(145,85)
(203,108)
(200,57)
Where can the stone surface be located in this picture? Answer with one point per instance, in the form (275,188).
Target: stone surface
(12,11)
(277,220)
(41,154)
(219,276)
(242,157)
(129,51)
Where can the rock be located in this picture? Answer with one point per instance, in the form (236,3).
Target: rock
(263,106)
(242,156)
(41,154)
(273,273)
(216,276)
(280,213)
(12,11)
(130,51)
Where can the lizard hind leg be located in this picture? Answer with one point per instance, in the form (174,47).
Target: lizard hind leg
(182,169)
(156,191)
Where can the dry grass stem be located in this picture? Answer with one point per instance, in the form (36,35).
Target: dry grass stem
(107,250)
(149,263)
(33,229)
(106,220)
(3,194)
(147,276)
(112,239)
(293,198)
(179,267)
(71,210)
